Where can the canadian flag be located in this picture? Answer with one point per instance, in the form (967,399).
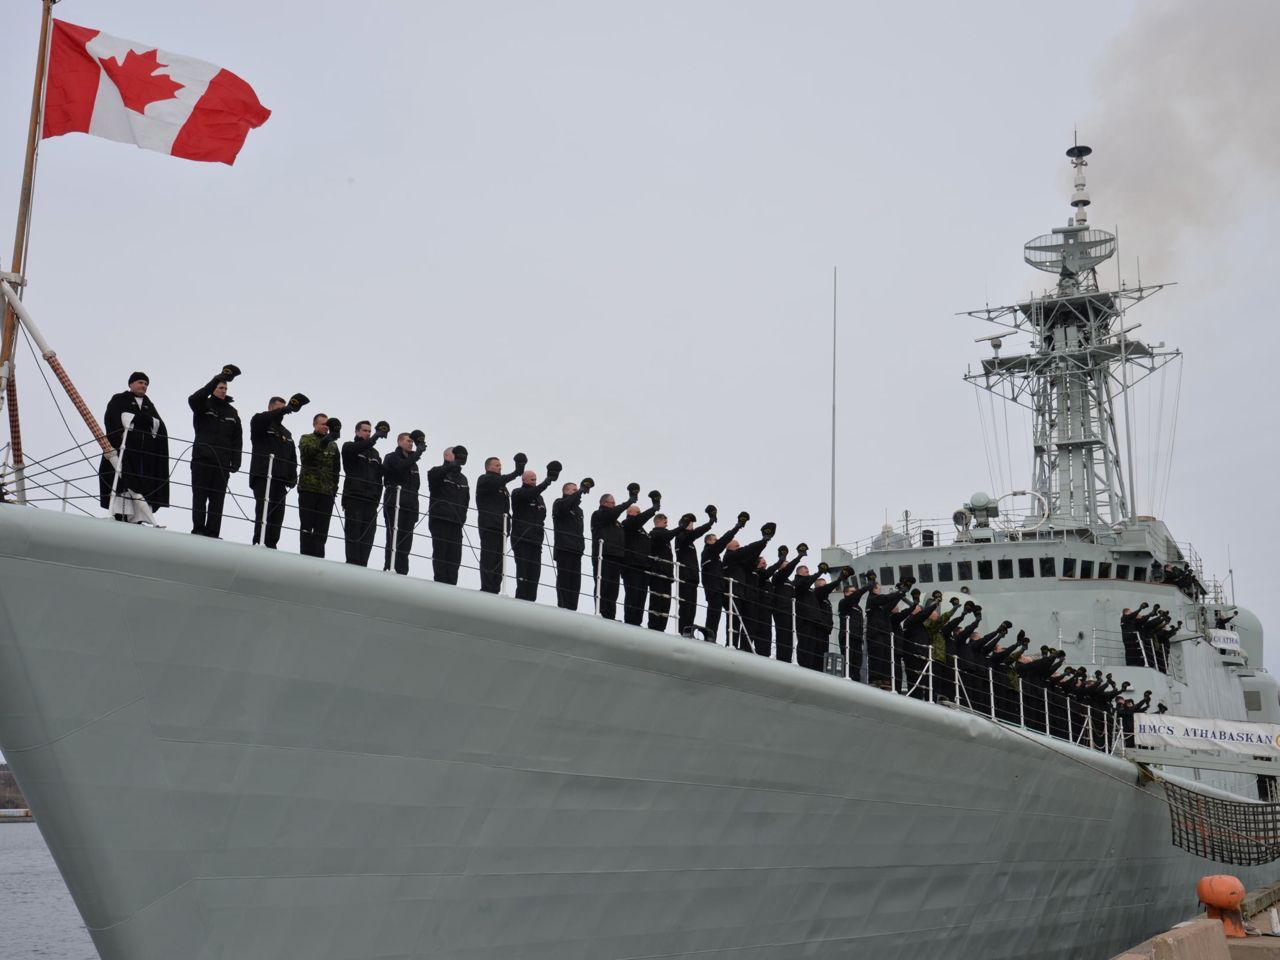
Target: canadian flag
(136,93)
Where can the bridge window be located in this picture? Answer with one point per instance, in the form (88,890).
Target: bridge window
(925,572)
(1068,566)
(1026,567)
(886,576)
(964,570)
(1048,567)
(1139,574)
(1086,569)
(944,572)
(984,569)
(1122,571)
(904,572)
(1004,568)
(1104,571)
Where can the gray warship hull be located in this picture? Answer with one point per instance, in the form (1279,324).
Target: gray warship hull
(239,754)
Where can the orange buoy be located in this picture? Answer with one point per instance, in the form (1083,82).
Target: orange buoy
(1222,895)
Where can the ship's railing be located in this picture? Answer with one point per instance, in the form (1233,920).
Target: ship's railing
(69,481)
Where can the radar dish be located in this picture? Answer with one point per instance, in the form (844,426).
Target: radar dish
(1072,250)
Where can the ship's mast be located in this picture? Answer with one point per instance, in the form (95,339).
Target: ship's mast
(1080,362)
(9,336)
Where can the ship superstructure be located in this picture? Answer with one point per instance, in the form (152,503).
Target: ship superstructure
(1066,567)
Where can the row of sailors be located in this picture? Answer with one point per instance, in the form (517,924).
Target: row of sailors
(1147,636)
(937,649)
(768,607)
(625,553)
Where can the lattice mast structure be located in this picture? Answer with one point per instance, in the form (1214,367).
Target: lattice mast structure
(1080,364)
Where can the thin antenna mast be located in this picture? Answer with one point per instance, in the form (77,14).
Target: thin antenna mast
(834,302)
(8,386)
(1124,384)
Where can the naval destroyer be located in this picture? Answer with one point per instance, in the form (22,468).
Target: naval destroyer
(309,759)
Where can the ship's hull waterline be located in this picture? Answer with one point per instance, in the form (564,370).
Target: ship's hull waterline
(235,753)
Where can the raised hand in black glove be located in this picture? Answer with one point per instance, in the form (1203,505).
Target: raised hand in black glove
(768,530)
(634,490)
(230,372)
(382,429)
(823,567)
(586,484)
(711,512)
(520,460)
(459,454)
(655,497)
(335,427)
(298,401)
(802,550)
(743,518)
(553,469)
(419,440)
(782,552)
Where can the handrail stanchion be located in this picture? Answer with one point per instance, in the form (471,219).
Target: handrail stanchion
(675,588)
(848,650)
(795,637)
(728,617)
(119,465)
(1067,705)
(991,691)
(1022,710)
(929,667)
(1095,644)
(893,666)
(395,534)
(1046,711)
(266,501)
(955,667)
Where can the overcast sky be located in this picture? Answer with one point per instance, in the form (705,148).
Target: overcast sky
(605,233)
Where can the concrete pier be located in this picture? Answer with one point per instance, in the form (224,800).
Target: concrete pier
(1205,939)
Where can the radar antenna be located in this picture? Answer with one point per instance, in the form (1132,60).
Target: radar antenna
(1077,366)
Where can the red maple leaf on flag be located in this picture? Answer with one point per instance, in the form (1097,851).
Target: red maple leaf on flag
(137,81)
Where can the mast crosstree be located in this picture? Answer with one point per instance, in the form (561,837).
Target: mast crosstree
(1081,361)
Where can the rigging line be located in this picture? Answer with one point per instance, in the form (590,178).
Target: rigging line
(1173,436)
(1159,434)
(1008,447)
(995,441)
(45,377)
(982,426)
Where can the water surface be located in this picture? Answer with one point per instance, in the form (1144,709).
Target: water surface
(37,917)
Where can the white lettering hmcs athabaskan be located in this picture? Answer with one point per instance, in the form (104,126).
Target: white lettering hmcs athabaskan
(158,126)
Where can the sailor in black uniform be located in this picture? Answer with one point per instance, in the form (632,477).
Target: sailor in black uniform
(362,489)
(273,466)
(713,583)
(661,572)
(401,481)
(607,532)
(567,522)
(635,570)
(450,500)
(687,567)
(528,515)
(215,455)
(493,512)
(783,601)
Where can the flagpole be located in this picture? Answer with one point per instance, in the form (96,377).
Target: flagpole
(8,385)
